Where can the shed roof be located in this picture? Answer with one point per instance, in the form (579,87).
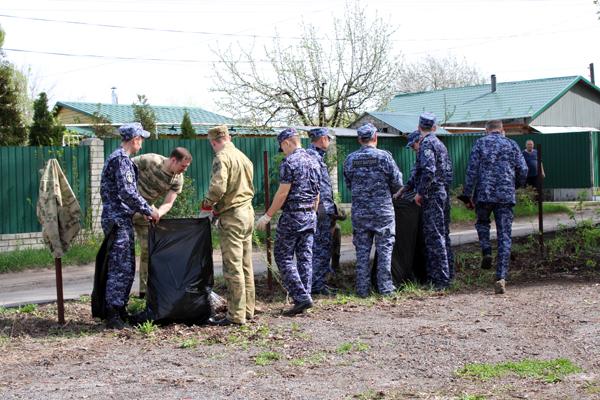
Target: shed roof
(511,100)
(405,123)
(123,113)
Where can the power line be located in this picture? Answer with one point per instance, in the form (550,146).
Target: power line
(55,53)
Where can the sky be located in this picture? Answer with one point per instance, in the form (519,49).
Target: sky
(165,49)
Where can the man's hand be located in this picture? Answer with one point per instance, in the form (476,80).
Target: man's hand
(419,199)
(206,212)
(261,225)
(399,193)
(470,205)
(155,216)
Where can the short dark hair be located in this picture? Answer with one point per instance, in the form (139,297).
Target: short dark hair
(426,128)
(366,140)
(494,125)
(181,154)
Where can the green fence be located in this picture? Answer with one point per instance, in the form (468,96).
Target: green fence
(571,160)
(20,171)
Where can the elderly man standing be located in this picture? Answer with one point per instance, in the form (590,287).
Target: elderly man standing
(158,176)
(372,176)
(431,174)
(321,266)
(120,200)
(496,166)
(298,196)
(230,196)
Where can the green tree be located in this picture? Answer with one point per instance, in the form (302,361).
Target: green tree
(12,120)
(45,130)
(144,114)
(187,130)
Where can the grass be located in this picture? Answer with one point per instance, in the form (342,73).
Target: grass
(547,370)
(24,309)
(136,305)
(147,328)
(459,213)
(314,359)
(189,343)
(267,358)
(347,347)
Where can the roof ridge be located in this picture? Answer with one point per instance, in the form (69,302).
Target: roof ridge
(499,83)
(130,105)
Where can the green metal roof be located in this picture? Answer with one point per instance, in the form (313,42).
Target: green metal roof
(123,113)
(175,129)
(405,123)
(521,99)
(86,131)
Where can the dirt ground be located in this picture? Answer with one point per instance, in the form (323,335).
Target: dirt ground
(410,346)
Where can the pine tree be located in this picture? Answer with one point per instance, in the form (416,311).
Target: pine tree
(44,131)
(144,114)
(187,130)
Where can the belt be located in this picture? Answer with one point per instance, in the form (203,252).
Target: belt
(299,209)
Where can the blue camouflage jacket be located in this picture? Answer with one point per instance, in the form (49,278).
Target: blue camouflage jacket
(372,176)
(433,168)
(326,192)
(496,167)
(118,188)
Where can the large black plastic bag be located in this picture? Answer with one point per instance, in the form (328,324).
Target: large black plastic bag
(180,270)
(408,260)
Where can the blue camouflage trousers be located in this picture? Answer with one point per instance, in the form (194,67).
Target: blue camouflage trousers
(449,252)
(362,238)
(435,237)
(503,215)
(121,262)
(297,276)
(321,252)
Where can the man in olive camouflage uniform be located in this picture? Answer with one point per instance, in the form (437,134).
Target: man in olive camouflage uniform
(230,197)
(158,176)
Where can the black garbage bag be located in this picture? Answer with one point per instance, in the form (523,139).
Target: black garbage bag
(100,276)
(408,258)
(180,271)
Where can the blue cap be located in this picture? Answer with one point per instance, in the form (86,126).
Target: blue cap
(318,132)
(427,120)
(366,131)
(133,129)
(412,138)
(286,134)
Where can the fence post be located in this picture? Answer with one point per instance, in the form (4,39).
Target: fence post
(540,196)
(268,239)
(96,163)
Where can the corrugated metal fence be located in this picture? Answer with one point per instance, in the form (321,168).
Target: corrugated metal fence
(20,176)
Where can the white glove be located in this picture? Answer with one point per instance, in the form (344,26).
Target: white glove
(261,225)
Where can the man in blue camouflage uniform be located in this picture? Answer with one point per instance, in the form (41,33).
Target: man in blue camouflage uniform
(372,176)
(120,200)
(298,196)
(321,265)
(431,183)
(496,167)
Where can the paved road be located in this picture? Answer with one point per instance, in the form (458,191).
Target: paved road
(38,286)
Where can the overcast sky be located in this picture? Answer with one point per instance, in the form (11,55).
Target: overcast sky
(514,39)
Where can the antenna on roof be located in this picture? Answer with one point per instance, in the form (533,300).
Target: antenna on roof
(115,99)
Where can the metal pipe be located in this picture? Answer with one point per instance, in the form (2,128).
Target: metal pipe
(60,302)
(493,81)
(540,189)
(592,74)
(268,239)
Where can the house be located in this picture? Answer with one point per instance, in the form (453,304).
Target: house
(79,118)
(548,105)
(391,122)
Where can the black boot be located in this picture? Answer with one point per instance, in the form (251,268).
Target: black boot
(113,318)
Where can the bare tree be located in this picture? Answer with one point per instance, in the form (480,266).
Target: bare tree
(437,73)
(324,79)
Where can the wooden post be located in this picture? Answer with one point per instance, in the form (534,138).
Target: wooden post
(60,302)
(267,203)
(540,197)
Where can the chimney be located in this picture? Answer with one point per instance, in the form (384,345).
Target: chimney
(592,74)
(115,99)
(493,79)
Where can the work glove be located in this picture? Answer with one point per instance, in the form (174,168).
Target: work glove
(261,225)
(206,212)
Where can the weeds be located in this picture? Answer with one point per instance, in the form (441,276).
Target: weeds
(547,370)
(314,359)
(266,358)
(191,343)
(136,305)
(147,328)
(347,347)
(24,309)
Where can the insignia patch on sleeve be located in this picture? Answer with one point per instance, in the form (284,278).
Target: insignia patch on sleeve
(428,153)
(129,176)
